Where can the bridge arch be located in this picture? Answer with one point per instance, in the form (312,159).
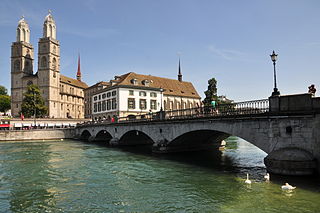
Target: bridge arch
(85,135)
(103,136)
(196,140)
(135,137)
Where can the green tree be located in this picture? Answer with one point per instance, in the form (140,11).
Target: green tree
(33,102)
(5,103)
(211,93)
(3,90)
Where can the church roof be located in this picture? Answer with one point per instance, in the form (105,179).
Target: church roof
(171,87)
(73,82)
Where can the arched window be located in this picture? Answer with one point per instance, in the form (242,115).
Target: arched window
(17,65)
(54,63)
(50,30)
(43,62)
(24,34)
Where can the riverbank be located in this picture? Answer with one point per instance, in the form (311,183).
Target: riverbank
(37,134)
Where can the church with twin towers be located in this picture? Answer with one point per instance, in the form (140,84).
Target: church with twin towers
(63,96)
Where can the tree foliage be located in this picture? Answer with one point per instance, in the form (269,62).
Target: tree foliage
(3,90)
(5,103)
(33,103)
(211,93)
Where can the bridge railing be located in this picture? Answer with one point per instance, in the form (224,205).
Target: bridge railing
(221,110)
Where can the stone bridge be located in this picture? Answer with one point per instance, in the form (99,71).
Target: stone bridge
(288,131)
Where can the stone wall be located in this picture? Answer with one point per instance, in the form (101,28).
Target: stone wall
(37,134)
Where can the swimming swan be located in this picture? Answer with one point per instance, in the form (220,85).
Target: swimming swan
(287,186)
(267,177)
(247,180)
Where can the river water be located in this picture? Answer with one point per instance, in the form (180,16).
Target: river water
(73,176)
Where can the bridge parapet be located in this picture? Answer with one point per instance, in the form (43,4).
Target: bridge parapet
(294,103)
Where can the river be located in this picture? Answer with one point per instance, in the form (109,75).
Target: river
(73,176)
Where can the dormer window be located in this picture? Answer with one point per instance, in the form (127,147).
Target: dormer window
(146,82)
(117,78)
(134,81)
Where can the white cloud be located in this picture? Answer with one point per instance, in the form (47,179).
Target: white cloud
(226,53)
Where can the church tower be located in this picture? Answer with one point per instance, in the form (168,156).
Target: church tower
(49,66)
(22,55)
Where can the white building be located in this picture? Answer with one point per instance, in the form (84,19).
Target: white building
(134,94)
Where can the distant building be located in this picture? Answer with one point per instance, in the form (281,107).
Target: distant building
(133,94)
(63,96)
(88,92)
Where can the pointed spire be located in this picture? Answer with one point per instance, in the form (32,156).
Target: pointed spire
(79,70)
(179,73)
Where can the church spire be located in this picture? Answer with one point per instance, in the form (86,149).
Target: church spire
(79,70)
(179,73)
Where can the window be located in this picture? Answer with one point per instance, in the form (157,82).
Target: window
(17,65)
(95,98)
(104,106)
(153,104)
(114,103)
(146,83)
(108,94)
(99,107)
(99,97)
(142,93)
(104,95)
(61,106)
(114,93)
(143,104)
(54,63)
(95,107)
(131,103)
(108,104)
(131,92)
(134,81)
(153,94)
(43,62)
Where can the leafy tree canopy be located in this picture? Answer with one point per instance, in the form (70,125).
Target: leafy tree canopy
(33,103)
(3,90)
(5,103)
(211,94)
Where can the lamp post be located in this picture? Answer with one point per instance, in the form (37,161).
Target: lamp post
(161,90)
(275,92)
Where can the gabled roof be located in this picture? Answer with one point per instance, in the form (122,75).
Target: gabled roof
(73,82)
(171,86)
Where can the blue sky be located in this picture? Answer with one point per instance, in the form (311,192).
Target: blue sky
(230,40)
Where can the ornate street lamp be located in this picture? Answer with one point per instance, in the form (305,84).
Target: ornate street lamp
(275,92)
(161,90)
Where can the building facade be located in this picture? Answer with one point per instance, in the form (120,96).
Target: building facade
(134,94)
(63,96)
(88,92)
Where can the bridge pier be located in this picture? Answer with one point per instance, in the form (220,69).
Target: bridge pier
(114,142)
(290,161)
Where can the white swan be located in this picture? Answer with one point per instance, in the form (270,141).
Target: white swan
(267,177)
(247,181)
(287,186)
